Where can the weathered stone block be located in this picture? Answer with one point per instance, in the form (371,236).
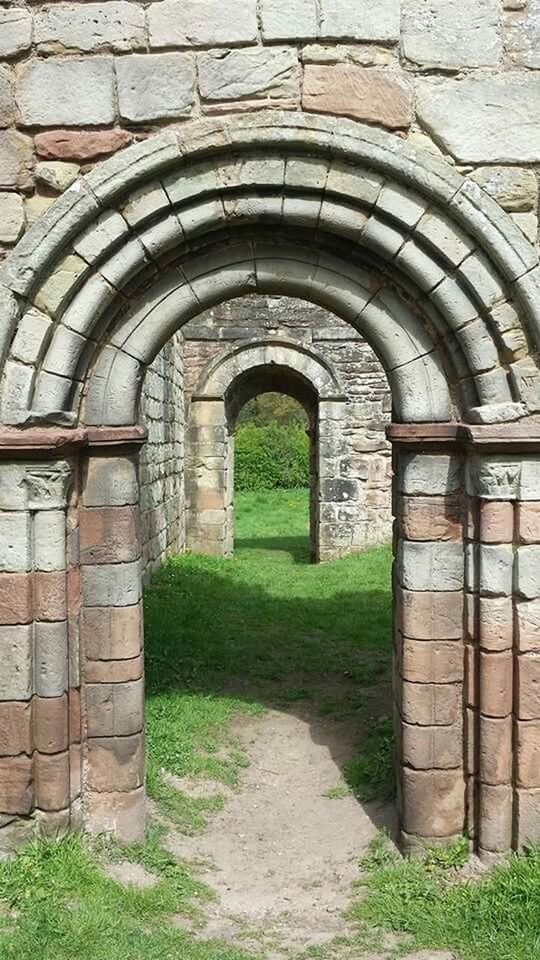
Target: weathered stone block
(430,566)
(497,525)
(114,671)
(14,542)
(432,661)
(50,724)
(7,102)
(528,753)
(260,72)
(431,518)
(80,144)
(359,21)
(430,615)
(74,92)
(363,93)
(15,729)
(528,520)
(115,585)
(15,31)
(15,598)
(522,37)
(109,534)
(115,710)
(116,763)
(496,683)
(50,540)
(283,20)
(431,704)
(339,491)
(51,658)
(496,569)
(15,159)
(527,625)
(495,750)
(120,814)
(527,817)
(16,785)
(51,775)
(451,35)
(515,189)
(496,623)
(56,175)
(464,116)
(433,802)
(495,818)
(16,646)
(527,575)
(90,28)
(187,23)
(155,87)
(429,474)
(427,748)
(528,678)
(110,482)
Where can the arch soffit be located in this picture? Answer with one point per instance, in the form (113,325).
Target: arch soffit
(467,266)
(223,371)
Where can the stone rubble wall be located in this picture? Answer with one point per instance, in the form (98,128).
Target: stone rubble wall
(79,81)
(161,467)
(355,463)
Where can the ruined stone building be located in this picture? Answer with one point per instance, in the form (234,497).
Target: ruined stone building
(369,166)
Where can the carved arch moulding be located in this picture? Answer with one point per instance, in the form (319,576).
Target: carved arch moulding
(445,288)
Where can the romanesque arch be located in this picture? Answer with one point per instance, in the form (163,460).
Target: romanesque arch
(445,288)
(237,375)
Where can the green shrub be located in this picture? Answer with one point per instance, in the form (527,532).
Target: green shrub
(270,457)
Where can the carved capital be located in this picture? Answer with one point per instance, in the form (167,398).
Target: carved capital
(494,477)
(48,485)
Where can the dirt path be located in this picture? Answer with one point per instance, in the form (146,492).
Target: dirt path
(282,855)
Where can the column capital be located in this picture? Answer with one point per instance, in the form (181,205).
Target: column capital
(47,485)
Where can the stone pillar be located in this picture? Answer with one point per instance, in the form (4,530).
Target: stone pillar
(338,494)
(111,647)
(428,583)
(209,478)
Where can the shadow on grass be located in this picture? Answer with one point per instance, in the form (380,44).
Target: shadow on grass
(231,635)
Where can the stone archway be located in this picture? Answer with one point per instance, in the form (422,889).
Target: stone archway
(234,377)
(444,287)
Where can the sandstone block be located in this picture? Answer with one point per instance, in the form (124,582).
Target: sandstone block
(433,802)
(74,706)
(56,91)
(35,207)
(285,20)
(14,541)
(80,144)
(188,23)
(528,571)
(527,625)
(431,704)
(430,615)
(528,753)
(90,27)
(111,633)
(522,37)
(371,94)
(109,534)
(110,481)
(529,521)
(341,19)
(496,569)
(56,175)
(15,31)
(15,159)
(11,217)
(464,116)
(496,683)
(495,832)
(428,748)
(50,724)
(431,518)
(260,72)
(75,772)
(451,35)
(528,679)
(339,491)
(16,785)
(51,656)
(515,189)
(430,566)
(15,729)
(497,521)
(51,775)
(115,710)
(50,540)
(495,750)
(432,661)
(15,598)
(496,623)
(7,102)
(528,817)
(50,595)
(116,763)
(120,814)
(16,647)
(429,474)
(155,87)
(114,585)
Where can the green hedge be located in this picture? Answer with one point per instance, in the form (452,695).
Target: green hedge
(269,457)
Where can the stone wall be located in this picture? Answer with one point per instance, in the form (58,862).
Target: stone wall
(355,462)
(162,457)
(78,81)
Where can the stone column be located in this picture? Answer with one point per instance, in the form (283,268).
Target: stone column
(111,647)
(337,505)
(428,582)
(209,478)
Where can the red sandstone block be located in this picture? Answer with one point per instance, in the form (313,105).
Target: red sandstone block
(527,625)
(80,144)
(50,596)
(427,748)
(432,661)
(433,802)
(496,623)
(15,598)
(113,671)
(496,684)
(495,750)
(527,803)
(121,814)
(116,763)
(74,598)
(111,633)
(15,728)
(16,785)
(497,521)
(74,702)
(114,709)
(529,521)
(50,723)
(51,775)
(528,753)
(495,821)
(430,704)
(430,615)
(528,698)
(109,534)
(431,518)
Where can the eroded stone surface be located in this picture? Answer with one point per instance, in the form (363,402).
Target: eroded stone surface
(155,87)
(73,92)
(451,33)
(372,94)
(90,27)
(522,36)
(235,74)
(11,217)
(15,31)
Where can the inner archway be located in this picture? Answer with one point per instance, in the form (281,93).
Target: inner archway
(444,287)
